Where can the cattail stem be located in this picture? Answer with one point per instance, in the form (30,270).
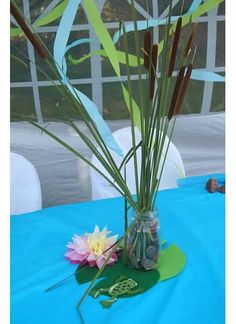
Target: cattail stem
(174,47)
(147,48)
(190,41)
(153,70)
(176,92)
(21,21)
(182,8)
(194,53)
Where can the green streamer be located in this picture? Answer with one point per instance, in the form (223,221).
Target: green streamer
(47,19)
(120,55)
(111,52)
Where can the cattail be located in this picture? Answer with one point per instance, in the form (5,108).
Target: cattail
(153,70)
(190,41)
(183,89)
(174,47)
(18,17)
(147,48)
(176,91)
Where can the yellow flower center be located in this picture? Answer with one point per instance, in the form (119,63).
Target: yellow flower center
(96,244)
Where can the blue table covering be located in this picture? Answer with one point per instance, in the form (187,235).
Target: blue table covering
(190,217)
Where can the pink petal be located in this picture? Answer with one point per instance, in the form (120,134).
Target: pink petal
(111,240)
(91,257)
(100,262)
(72,255)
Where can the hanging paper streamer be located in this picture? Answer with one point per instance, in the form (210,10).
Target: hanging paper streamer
(60,46)
(195,4)
(207,76)
(116,57)
(75,43)
(107,43)
(47,19)
(195,11)
(119,57)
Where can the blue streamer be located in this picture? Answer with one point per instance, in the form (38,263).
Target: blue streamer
(199,75)
(60,46)
(145,24)
(142,25)
(207,76)
(195,4)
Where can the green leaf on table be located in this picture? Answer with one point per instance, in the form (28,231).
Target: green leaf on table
(145,280)
(171,262)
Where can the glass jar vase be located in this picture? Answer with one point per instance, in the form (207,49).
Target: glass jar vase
(143,242)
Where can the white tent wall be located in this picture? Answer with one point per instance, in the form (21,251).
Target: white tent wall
(66,179)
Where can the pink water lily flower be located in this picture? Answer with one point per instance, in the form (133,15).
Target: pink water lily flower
(90,248)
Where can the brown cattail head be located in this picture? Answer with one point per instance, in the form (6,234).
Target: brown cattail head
(174,47)
(183,89)
(147,48)
(176,92)
(190,41)
(153,70)
(20,19)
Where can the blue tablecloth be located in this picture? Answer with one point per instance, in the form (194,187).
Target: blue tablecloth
(190,217)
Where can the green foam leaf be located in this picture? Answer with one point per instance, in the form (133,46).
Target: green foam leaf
(171,262)
(145,280)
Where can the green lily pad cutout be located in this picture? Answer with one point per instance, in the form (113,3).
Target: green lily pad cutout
(172,261)
(121,281)
(115,272)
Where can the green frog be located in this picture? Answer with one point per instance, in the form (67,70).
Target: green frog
(122,286)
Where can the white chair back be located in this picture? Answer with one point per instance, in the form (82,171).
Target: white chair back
(25,186)
(172,170)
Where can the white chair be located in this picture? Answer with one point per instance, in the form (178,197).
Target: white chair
(173,168)
(25,186)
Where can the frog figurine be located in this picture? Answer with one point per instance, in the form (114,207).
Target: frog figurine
(122,286)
